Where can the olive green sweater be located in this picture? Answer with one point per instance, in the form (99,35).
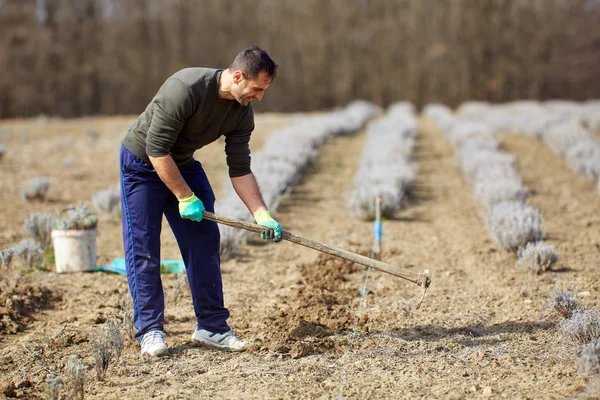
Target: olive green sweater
(187,114)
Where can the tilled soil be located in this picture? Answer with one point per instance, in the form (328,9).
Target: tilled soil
(485,329)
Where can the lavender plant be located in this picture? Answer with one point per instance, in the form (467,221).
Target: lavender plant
(441,115)
(589,359)
(76,375)
(35,188)
(107,201)
(6,256)
(512,224)
(386,167)
(584,158)
(39,225)
(29,253)
(105,349)
(490,192)
(537,257)
(54,385)
(564,303)
(76,217)
(582,327)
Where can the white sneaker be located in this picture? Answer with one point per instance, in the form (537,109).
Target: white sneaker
(153,343)
(224,341)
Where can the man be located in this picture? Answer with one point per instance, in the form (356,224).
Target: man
(159,175)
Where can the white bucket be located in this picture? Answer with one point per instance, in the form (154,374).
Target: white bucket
(74,250)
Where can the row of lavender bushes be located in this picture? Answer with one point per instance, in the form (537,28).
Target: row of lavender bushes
(279,165)
(387,168)
(511,223)
(566,127)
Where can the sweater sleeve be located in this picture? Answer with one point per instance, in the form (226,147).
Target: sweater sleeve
(171,106)
(237,147)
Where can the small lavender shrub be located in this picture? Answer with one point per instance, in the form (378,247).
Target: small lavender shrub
(35,188)
(54,386)
(29,253)
(107,201)
(115,338)
(6,256)
(77,377)
(564,303)
(589,359)
(39,225)
(512,225)
(582,327)
(77,218)
(106,347)
(538,257)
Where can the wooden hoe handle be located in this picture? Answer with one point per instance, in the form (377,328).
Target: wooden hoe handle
(419,279)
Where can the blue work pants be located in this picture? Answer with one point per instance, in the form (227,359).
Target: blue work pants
(144,200)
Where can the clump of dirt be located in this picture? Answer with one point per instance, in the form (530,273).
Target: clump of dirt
(18,304)
(310,321)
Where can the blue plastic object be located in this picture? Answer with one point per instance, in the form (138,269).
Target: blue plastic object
(118,266)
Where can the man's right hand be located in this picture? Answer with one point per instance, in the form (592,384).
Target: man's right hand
(191,208)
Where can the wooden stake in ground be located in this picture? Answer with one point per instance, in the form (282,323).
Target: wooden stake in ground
(421,280)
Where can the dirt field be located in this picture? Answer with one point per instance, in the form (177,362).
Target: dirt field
(484,330)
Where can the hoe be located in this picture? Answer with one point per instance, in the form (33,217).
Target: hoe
(419,279)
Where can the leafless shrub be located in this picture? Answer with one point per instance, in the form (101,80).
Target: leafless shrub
(77,377)
(512,224)
(76,217)
(106,347)
(107,201)
(538,257)
(582,327)
(29,253)
(39,225)
(589,359)
(564,303)
(54,385)
(35,188)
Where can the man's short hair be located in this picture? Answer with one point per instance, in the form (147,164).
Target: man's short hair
(252,61)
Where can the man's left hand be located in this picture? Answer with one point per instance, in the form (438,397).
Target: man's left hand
(273,233)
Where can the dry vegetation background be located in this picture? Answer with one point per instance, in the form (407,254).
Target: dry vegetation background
(86,57)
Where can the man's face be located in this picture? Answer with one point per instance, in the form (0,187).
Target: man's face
(246,90)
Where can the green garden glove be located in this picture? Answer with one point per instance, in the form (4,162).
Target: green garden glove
(274,232)
(191,208)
